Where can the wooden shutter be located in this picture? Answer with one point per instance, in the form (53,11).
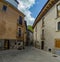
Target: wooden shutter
(57,43)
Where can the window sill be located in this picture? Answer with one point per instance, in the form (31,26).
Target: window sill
(58,31)
(57,17)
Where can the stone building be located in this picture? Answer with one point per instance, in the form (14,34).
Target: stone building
(47,27)
(29,37)
(12,26)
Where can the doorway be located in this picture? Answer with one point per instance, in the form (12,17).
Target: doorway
(6,44)
(42,45)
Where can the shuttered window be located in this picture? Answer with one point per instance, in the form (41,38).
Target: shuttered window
(4,8)
(20,20)
(42,35)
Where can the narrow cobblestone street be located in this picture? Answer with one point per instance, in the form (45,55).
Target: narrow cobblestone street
(27,55)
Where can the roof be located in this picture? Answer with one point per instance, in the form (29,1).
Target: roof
(49,4)
(12,6)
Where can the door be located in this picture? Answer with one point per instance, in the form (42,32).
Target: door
(6,44)
(57,43)
(42,45)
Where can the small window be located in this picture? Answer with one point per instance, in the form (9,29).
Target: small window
(42,35)
(58,25)
(36,29)
(43,22)
(4,8)
(20,20)
(19,32)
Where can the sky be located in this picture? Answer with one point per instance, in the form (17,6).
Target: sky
(31,9)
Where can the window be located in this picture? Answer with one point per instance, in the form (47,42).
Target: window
(43,22)
(4,8)
(15,43)
(20,20)
(36,29)
(19,32)
(58,25)
(42,34)
(58,10)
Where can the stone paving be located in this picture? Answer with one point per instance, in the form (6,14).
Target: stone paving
(29,54)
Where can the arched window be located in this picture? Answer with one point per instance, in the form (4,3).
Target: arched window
(58,10)
(58,25)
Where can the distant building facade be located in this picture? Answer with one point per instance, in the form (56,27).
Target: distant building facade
(12,26)
(47,27)
(29,37)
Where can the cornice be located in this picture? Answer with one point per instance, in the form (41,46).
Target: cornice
(44,10)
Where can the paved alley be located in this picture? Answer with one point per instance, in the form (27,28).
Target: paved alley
(27,55)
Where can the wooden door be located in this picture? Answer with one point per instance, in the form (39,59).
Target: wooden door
(57,43)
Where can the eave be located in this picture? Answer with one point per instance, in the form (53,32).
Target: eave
(44,10)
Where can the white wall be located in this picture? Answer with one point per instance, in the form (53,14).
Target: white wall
(50,28)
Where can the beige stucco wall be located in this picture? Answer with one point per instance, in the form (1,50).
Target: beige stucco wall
(8,22)
(50,28)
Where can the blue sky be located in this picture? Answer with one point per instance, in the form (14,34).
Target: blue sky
(36,8)
(31,9)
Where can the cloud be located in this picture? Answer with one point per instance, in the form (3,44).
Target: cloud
(24,6)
